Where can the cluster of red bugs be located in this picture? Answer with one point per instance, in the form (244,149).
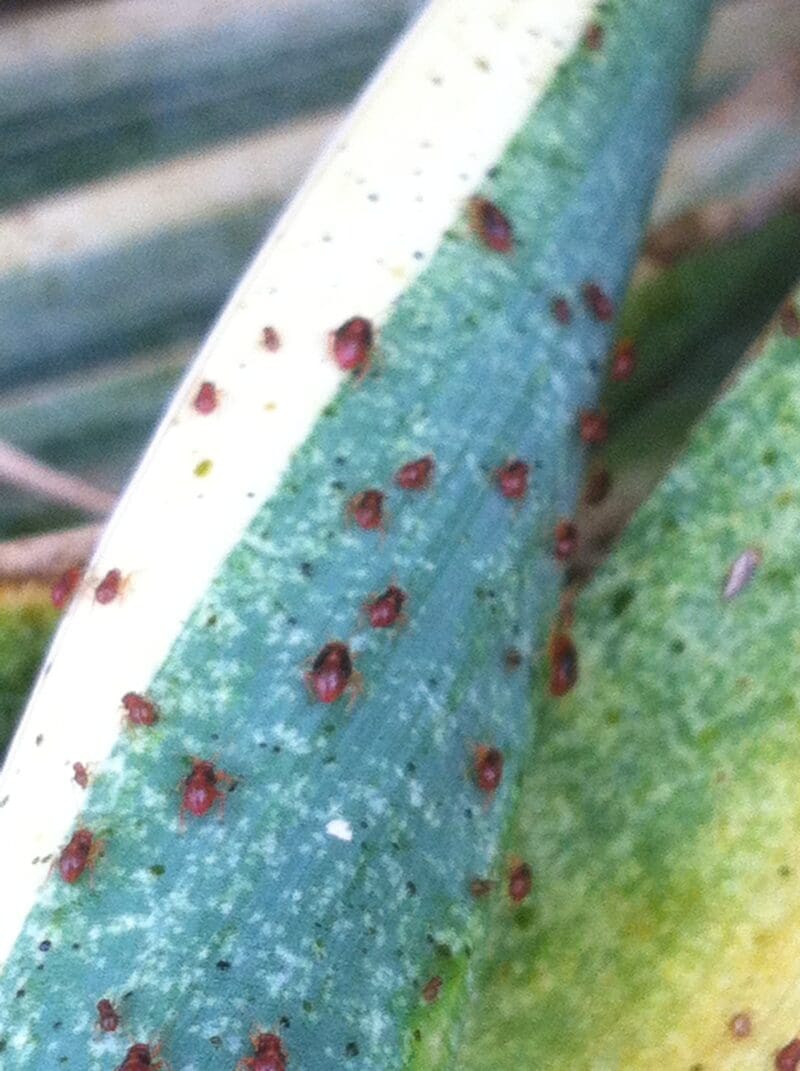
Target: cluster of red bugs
(269,1051)
(106,590)
(332,673)
(202,788)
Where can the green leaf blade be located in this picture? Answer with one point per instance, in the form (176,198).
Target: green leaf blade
(659,813)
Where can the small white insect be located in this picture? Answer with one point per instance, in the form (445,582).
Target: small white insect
(741,572)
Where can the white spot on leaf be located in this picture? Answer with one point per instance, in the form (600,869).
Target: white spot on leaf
(337,827)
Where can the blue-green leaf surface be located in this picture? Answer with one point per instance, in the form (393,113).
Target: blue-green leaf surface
(272,916)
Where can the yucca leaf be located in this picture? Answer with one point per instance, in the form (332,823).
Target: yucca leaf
(338,883)
(659,813)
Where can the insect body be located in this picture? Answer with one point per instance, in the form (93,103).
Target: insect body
(81,851)
(598,302)
(566,540)
(563,664)
(140,1057)
(270,1054)
(207,399)
(593,427)
(520,882)
(332,673)
(491,225)
(366,509)
(201,788)
(139,710)
(64,588)
(387,609)
(488,768)
(623,361)
(351,345)
(109,587)
(107,1016)
(512,479)
(415,475)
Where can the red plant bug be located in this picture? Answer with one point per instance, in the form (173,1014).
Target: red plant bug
(520,882)
(109,588)
(139,710)
(491,225)
(415,475)
(207,398)
(366,509)
(81,851)
(331,673)
(488,768)
(201,789)
(598,302)
(598,484)
(566,540)
(561,311)
(563,664)
(593,427)
(387,609)
(269,1054)
(271,339)
(593,38)
(140,1057)
(64,588)
(512,479)
(351,345)
(788,1058)
(480,887)
(107,1016)
(623,360)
